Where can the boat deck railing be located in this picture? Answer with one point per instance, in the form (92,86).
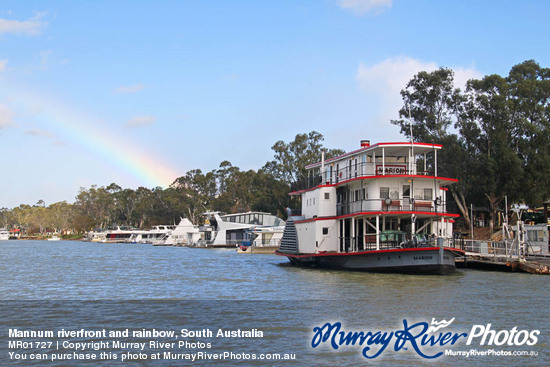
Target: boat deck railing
(368,169)
(387,205)
(259,243)
(386,242)
(494,250)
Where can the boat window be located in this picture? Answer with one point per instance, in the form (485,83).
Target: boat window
(428,194)
(325,231)
(266,238)
(394,193)
(423,194)
(327,195)
(406,191)
(232,219)
(384,192)
(535,236)
(364,194)
(357,197)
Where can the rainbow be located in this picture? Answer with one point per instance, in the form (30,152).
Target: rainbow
(143,165)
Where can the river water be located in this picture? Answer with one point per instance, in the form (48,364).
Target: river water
(71,286)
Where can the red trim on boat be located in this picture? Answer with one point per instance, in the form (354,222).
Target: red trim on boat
(373,177)
(412,249)
(371,147)
(434,214)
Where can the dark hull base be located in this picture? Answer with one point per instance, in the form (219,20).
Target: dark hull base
(426,261)
(436,269)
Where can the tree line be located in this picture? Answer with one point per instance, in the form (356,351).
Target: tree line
(495,135)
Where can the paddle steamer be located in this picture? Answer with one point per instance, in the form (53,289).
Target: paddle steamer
(374,209)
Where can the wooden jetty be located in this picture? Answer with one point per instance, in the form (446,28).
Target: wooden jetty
(513,252)
(540,266)
(534,265)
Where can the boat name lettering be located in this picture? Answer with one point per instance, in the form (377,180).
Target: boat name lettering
(423,257)
(418,336)
(391,170)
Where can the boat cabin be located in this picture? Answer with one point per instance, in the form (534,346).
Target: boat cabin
(379,196)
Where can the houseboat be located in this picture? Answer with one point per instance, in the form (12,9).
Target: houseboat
(228,230)
(261,240)
(153,235)
(4,234)
(184,234)
(382,208)
(96,235)
(116,234)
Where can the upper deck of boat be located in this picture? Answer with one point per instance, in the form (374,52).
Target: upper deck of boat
(382,160)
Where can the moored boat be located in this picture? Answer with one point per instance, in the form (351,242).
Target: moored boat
(184,234)
(116,234)
(154,234)
(229,230)
(372,209)
(4,234)
(262,240)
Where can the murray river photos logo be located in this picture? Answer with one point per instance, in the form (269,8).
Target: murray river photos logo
(424,339)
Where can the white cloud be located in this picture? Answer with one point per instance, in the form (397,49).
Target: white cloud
(45,59)
(130,89)
(140,121)
(38,132)
(3,64)
(28,27)
(360,7)
(6,117)
(387,78)
(462,76)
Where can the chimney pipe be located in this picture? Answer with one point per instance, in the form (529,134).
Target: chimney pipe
(365,143)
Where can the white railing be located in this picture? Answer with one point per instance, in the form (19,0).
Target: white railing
(507,250)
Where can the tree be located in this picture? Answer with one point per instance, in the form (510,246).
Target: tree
(197,191)
(432,100)
(430,109)
(529,88)
(59,216)
(96,203)
(292,158)
(503,143)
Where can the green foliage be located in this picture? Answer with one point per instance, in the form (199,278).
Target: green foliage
(292,158)
(431,100)
(502,143)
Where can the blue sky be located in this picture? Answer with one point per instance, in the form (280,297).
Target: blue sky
(140,92)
